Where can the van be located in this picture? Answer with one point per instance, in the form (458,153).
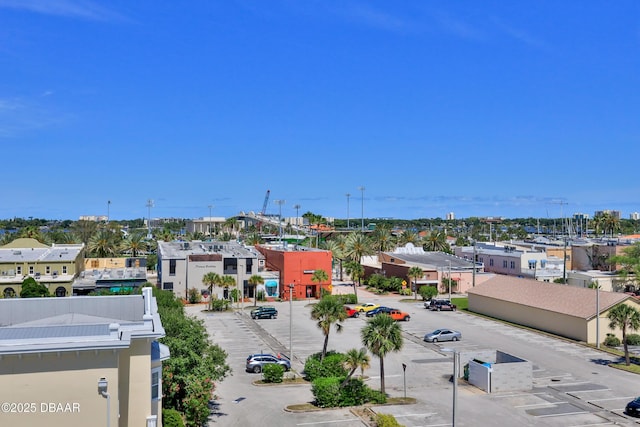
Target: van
(264,312)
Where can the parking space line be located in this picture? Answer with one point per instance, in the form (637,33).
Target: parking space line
(563,414)
(611,398)
(328,421)
(541,404)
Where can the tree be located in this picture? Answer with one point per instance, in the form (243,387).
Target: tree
(228,282)
(629,263)
(428,292)
(104,244)
(626,318)
(33,289)
(414,274)
(328,311)
(254,281)
(356,246)
(380,336)
(135,244)
(408,236)
(211,279)
(382,239)
(355,270)
(355,359)
(436,241)
(319,276)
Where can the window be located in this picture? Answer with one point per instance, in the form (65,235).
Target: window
(156,384)
(95,263)
(249,265)
(172,267)
(543,263)
(31,269)
(504,263)
(491,262)
(168,286)
(47,270)
(61,291)
(512,265)
(230,266)
(532,264)
(64,269)
(18,269)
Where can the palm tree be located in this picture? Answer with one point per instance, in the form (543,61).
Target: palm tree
(626,318)
(355,359)
(319,276)
(380,336)
(254,281)
(327,311)
(382,238)
(356,246)
(211,279)
(84,230)
(436,241)
(355,270)
(104,244)
(135,243)
(414,274)
(408,236)
(228,282)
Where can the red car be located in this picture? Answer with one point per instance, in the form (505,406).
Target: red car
(351,312)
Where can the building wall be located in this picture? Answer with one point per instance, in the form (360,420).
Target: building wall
(544,320)
(36,378)
(297,267)
(604,325)
(135,380)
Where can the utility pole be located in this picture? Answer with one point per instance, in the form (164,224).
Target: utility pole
(361,188)
(348,195)
(149,206)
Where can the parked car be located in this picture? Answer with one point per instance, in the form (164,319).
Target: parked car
(633,407)
(399,315)
(255,362)
(351,312)
(442,305)
(379,310)
(443,335)
(368,306)
(264,312)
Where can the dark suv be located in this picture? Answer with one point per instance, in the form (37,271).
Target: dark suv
(255,362)
(264,312)
(442,305)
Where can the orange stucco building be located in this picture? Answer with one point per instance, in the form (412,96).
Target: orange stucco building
(296,265)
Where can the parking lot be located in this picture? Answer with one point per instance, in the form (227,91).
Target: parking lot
(572,384)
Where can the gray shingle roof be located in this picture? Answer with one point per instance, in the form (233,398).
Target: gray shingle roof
(569,300)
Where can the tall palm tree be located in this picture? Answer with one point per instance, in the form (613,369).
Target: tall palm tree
(414,274)
(84,230)
(328,311)
(626,318)
(104,244)
(227,282)
(319,276)
(210,279)
(382,238)
(355,359)
(380,336)
(254,281)
(355,270)
(408,236)
(135,243)
(436,241)
(357,245)
(334,247)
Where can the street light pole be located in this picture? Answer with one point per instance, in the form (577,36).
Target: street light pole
(348,195)
(473,277)
(149,206)
(297,208)
(456,358)
(449,280)
(597,315)
(361,188)
(108,209)
(210,234)
(291,286)
(280,202)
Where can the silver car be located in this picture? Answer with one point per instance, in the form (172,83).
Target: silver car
(443,335)
(255,362)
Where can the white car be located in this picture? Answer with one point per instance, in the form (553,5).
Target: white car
(443,335)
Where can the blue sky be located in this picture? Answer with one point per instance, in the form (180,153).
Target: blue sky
(492,108)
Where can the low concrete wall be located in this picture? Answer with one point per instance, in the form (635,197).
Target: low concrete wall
(500,372)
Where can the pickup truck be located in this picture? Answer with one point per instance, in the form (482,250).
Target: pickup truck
(442,305)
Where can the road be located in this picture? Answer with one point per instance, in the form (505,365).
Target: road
(572,384)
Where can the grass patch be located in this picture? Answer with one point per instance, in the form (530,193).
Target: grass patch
(401,400)
(461,303)
(285,381)
(633,368)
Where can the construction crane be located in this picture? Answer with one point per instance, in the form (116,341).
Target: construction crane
(264,209)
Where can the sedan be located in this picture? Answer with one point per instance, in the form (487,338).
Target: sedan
(443,335)
(633,407)
(379,310)
(368,306)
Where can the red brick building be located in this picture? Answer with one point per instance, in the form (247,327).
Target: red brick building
(296,266)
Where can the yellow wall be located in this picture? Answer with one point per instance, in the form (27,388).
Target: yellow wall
(64,383)
(135,371)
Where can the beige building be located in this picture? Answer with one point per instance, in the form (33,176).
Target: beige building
(54,266)
(81,361)
(562,310)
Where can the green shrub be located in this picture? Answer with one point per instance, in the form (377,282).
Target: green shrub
(377,397)
(194,296)
(171,418)
(349,298)
(354,393)
(387,420)
(427,292)
(611,341)
(220,304)
(272,373)
(633,339)
(405,291)
(331,366)
(326,391)
(261,296)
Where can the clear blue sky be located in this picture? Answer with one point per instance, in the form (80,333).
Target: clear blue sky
(481,108)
